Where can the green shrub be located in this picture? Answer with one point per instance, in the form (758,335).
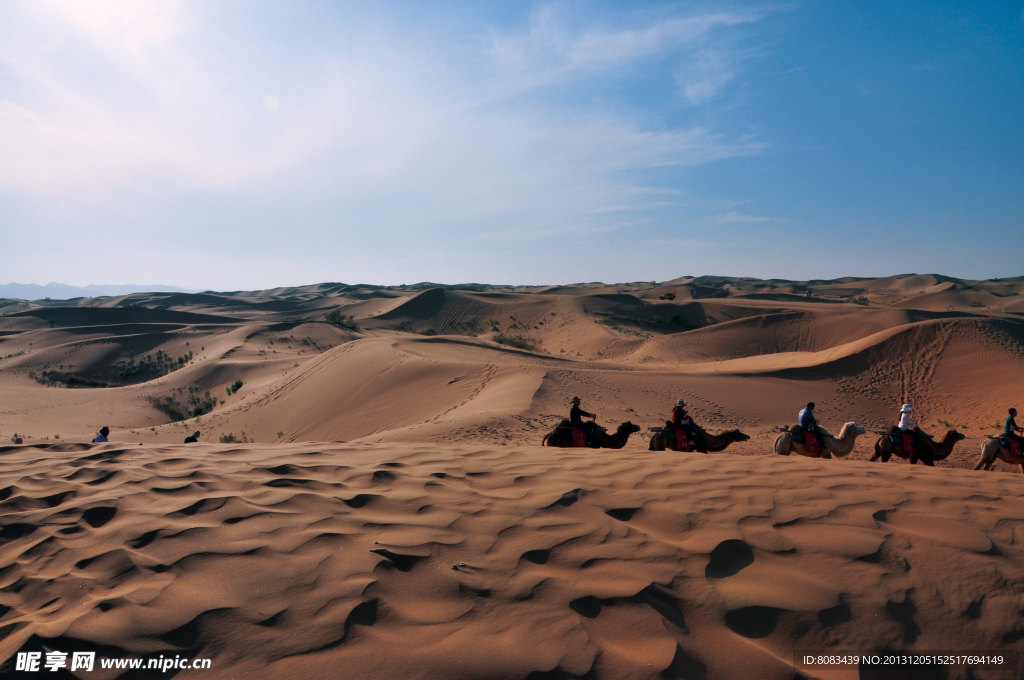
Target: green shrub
(705,292)
(228,438)
(517,341)
(148,368)
(200,403)
(336,318)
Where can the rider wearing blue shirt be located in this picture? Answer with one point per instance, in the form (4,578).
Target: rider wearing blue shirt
(808,423)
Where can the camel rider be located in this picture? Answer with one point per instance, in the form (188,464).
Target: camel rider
(102,436)
(576,415)
(682,420)
(808,423)
(908,425)
(1010,429)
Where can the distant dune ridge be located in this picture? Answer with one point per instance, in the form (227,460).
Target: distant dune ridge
(62,291)
(408,419)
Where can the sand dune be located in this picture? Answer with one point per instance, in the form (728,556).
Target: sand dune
(573,564)
(412,426)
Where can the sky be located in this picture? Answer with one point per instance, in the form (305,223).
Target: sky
(233,145)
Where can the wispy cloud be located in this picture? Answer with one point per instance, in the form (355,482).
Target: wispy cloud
(140,114)
(735,217)
(557,47)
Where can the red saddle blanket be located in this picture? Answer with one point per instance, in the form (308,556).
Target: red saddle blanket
(810,443)
(682,442)
(1014,446)
(579,437)
(908,443)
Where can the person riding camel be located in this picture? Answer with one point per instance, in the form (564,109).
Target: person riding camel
(808,423)
(576,415)
(192,438)
(102,436)
(1010,429)
(682,420)
(908,425)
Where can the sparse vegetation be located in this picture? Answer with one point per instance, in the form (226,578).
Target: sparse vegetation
(228,438)
(977,305)
(148,367)
(199,403)
(860,300)
(705,292)
(346,321)
(234,387)
(672,324)
(517,341)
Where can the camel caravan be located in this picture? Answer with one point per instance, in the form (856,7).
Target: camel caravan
(905,440)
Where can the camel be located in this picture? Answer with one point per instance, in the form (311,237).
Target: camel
(928,452)
(562,436)
(840,446)
(715,442)
(990,450)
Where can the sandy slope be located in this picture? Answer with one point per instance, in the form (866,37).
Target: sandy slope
(577,564)
(258,553)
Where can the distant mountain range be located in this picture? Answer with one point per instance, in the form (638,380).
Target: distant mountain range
(62,291)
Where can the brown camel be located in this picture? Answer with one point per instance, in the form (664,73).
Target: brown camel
(990,450)
(715,442)
(928,452)
(562,436)
(840,446)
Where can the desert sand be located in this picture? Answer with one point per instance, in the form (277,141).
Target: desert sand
(409,422)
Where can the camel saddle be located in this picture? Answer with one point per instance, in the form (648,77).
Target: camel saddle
(682,442)
(1009,443)
(904,439)
(579,437)
(808,439)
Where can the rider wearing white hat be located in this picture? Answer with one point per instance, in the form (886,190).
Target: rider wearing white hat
(906,424)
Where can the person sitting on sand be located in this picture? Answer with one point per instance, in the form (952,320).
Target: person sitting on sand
(576,415)
(193,438)
(1010,429)
(102,436)
(808,423)
(682,420)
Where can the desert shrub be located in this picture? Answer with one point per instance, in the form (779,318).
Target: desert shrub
(517,341)
(237,385)
(228,438)
(705,292)
(672,324)
(199,402)
(976,304)
(336,318)
(860,300)
(148,368)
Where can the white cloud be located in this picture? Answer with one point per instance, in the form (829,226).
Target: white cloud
(155,112)
(735,217)
(556,48)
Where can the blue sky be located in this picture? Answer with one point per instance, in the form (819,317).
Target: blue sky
(242,145)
